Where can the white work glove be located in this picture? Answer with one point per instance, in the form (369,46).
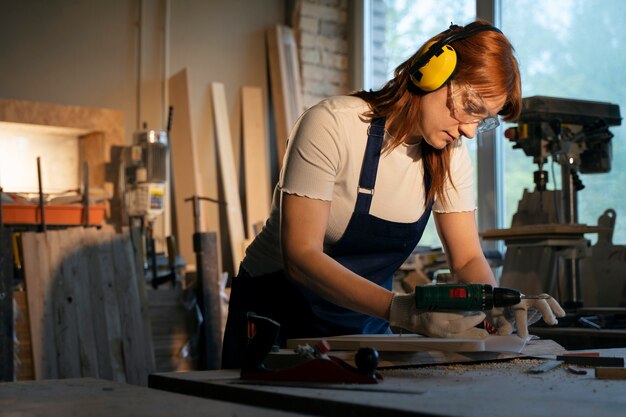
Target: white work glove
(458,325)
(519,316)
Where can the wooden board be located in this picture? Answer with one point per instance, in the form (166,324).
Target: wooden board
(136,352)
(23,349)
(105,308)
(392,359)
(86,315)
(395,343)
(38,280)
(99,398)
(286,84)
(256,159)
(184,165)
(228,173)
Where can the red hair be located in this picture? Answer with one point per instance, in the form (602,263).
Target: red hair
(485,60)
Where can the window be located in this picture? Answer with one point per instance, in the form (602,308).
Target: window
(396,29)
(570,49)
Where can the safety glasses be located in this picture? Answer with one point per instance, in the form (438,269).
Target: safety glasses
(468,107)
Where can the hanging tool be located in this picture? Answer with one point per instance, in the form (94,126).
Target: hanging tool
(467,297)
(318,366)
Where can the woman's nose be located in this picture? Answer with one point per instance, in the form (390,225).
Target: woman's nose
(468,129)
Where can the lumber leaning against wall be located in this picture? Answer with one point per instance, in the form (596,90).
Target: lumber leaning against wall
(226,162)
(286,85)
(256,159)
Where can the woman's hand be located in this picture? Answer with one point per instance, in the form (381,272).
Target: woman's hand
(519,316)
(457,325)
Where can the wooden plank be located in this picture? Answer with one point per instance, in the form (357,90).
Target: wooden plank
(105,359)
(228,173)
(62,298)
(184,164)
(256,159)
(40,307)
(102,272)
(395,343)
(136,354)
(286,85)
(23,349)
(76,270)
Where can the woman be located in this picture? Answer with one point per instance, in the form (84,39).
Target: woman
(361,175)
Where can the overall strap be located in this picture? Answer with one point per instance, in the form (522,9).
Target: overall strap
(367,178)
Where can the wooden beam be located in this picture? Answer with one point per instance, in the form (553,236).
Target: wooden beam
(226,162)
(256,159)
(185,173)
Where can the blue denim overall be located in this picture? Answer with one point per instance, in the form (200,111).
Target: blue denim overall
(371,247)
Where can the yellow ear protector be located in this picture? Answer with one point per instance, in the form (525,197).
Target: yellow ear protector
(436,61)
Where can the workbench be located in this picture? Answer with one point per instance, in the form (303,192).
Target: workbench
(100,398)
(494,388)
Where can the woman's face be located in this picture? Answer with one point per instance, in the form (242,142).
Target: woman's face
(448,113)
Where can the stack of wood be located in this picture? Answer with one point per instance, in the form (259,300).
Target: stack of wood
(87,306)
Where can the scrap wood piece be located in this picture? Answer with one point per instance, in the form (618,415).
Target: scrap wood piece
(228,173)
(396,343)
(286,84)
(256,159)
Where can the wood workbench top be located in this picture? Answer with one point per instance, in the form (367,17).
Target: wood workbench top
(100,398)
(496,388)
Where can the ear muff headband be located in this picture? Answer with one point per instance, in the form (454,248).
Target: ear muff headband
(434,67)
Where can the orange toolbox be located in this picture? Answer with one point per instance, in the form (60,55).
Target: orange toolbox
(71,214)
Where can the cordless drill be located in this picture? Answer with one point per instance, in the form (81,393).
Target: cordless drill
(467,297)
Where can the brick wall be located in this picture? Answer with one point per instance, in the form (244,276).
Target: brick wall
(321,29)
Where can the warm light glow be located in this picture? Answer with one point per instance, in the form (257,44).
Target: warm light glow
(20,145)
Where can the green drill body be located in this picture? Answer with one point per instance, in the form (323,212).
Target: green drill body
(465,297)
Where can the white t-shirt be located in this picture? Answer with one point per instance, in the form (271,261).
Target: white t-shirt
(323,161)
